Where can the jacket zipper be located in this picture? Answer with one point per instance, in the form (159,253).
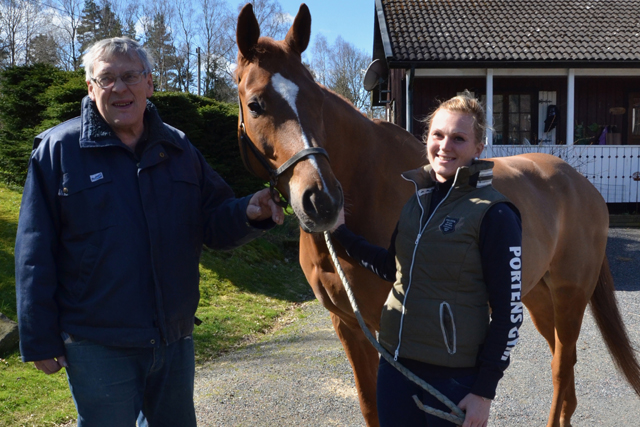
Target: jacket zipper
(413,257)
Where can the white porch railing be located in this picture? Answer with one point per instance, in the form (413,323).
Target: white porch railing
(613,170)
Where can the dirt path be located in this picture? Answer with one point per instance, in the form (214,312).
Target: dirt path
(300,376)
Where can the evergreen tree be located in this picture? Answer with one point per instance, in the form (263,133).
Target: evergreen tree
(97,23)
(160,44)
(89,24)
(110,24)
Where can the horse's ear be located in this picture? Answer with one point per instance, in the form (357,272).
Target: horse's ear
(300,32)
(248,32)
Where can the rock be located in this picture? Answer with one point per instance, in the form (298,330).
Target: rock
(9,337)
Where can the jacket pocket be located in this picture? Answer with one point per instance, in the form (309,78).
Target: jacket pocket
(184,200)
(86,202)
(448,327)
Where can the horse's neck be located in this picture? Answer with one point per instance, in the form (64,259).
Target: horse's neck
(368,157)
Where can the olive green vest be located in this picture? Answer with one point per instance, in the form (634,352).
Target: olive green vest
(437,311)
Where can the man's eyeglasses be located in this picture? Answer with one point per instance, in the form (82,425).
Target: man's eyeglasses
(129,78)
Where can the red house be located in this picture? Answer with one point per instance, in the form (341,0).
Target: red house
(556,76)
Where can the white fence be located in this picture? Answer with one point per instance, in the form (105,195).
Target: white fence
(613,170)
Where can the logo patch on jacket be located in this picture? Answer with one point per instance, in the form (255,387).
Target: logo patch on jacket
(96,177)
(449,225)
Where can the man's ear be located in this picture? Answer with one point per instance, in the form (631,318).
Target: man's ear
(91,88)
(149,83)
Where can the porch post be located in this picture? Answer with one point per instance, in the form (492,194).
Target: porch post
(489,107)
(409,98)
(571,89)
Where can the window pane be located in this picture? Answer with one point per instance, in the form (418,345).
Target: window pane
(497,103)
(497,122)
(525,122)
(635,121)
(525,103)
(514,137)
(514,103)
(514,122)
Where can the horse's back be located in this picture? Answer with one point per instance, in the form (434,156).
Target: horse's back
(564,218)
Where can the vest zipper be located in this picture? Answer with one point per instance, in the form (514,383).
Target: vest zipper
(413,257)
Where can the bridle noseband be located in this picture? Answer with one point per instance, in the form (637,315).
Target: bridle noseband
(273,173)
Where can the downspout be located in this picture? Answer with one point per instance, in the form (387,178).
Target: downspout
(409,107)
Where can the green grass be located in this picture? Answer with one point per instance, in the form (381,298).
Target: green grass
(243,292)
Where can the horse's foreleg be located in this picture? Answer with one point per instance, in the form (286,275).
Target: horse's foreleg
(364,362)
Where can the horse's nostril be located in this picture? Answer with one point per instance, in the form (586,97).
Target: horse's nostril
(309,202)
(317,204)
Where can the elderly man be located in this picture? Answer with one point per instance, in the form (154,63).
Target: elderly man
(115,210)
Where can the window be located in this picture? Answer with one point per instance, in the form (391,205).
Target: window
(512,119)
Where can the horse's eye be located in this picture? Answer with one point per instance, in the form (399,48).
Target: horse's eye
(255,108)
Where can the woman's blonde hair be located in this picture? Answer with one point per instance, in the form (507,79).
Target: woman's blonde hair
(466,104)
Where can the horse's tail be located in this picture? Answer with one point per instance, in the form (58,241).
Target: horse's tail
(605,310)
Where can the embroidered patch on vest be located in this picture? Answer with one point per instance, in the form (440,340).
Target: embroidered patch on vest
(449,225)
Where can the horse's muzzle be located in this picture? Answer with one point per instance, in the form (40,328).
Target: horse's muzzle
(319,209)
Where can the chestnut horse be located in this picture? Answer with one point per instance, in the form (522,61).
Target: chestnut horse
(290,121)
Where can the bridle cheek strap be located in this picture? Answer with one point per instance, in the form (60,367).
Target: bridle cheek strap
(273,173)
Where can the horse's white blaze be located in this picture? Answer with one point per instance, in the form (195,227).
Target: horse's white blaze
(289,91)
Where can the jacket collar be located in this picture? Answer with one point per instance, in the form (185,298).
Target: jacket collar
(95,132)
(423,176)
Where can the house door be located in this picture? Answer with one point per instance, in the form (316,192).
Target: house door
(634,118)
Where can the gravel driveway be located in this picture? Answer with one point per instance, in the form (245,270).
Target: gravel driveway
(299,375)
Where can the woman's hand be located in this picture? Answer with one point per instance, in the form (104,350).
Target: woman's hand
(477,410)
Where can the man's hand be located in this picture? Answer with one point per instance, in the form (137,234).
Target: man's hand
(261,206)
(51,366)
(477,409)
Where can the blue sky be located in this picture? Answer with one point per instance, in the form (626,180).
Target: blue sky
(351,19)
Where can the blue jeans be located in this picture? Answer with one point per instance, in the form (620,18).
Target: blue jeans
(115,387)
(395,402)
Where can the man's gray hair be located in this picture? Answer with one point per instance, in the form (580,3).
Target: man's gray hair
(116,46)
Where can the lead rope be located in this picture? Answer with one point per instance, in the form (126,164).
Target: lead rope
(458,418)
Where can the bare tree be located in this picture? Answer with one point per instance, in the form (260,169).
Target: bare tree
(35,24)
(185,12)
(127,12)
(273,21)
(348,65)
(321,54)
(66,18)
(217,43)
(12,21)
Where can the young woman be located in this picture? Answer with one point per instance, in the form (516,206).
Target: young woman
(453,314)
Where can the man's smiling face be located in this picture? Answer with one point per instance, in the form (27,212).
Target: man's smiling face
(122,106)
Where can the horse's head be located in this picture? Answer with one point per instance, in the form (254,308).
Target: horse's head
(281,127)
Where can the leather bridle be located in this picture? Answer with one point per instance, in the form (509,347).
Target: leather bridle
(273,173)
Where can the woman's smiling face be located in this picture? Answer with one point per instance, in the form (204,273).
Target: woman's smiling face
(451,143)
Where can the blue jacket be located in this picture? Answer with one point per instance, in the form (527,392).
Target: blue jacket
(108,244)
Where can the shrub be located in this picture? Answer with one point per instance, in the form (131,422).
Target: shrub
(36,98)
(20,112)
